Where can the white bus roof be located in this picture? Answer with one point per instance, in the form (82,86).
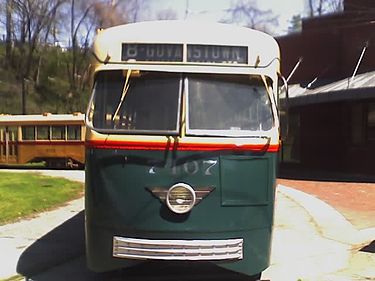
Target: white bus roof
(263,49)
(12,120)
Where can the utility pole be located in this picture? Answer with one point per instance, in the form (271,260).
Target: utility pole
(187,9)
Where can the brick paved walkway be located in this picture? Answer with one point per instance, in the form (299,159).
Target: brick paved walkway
(355,201)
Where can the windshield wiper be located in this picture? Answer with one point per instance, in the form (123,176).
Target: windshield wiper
(123,94)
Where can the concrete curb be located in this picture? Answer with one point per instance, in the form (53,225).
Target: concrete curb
(330,223)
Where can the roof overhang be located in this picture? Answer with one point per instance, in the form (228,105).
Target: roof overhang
(360,87)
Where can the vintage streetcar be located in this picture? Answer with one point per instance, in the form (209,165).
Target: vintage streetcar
(55,139)
(182,145)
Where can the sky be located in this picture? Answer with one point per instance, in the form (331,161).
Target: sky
(214,10)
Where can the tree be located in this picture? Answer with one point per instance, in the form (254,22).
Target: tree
(133,8)
(115,12)
(83,21)
(295,24)
(75,26)
(108,14)
(166,14)
(43,72)
(32,20)
(246,12)
(320,7)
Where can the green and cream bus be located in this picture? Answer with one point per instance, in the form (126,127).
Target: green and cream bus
(181,146)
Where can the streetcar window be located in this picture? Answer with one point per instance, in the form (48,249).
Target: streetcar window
(150,104)
(13,133)
(28,132)
(13,136)
(228,106)
(58,132)
(74,132)
(42,132)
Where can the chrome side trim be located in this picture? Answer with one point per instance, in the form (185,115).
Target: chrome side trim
(132,248)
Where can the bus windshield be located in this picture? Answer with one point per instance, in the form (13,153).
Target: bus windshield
(151,103)
(228,105)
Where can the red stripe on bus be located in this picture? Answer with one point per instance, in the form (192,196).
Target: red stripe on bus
(126,145)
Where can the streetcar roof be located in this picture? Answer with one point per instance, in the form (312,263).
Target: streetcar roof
(35,119)
(263,48)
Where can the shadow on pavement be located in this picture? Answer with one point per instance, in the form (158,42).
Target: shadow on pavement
(369,248)
(60,256)
(64,243)
(293,172)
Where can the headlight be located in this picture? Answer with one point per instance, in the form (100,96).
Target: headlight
(181,198)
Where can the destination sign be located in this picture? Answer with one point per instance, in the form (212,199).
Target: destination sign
(217,54)
(152,52)
(174,53)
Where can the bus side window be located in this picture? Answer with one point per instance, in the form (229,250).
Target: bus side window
(74,132)
(28,133)
(42,132)
(58,132)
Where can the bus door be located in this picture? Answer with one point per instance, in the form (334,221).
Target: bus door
(9,149)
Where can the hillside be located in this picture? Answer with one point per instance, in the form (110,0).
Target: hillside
(49,87)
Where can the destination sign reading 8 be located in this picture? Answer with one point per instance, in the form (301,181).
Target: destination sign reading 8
(174,53)
(152,52)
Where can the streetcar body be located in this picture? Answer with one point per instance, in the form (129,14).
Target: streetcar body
(56,139)
(181,146)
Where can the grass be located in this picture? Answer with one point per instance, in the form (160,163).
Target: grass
(14,278)
(32,165)
(26,194)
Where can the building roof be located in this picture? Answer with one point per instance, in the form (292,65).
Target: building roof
(39,119)
(362,86)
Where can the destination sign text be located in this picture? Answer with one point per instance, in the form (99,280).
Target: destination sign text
(152,52)
(217,54)
(175,53)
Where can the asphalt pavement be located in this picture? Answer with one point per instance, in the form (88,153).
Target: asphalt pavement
(311,241)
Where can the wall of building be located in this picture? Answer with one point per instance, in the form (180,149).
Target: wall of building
(330,46)
(322,136)
(336,137)
(332,136)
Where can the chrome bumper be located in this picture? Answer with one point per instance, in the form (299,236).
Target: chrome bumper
(180,250)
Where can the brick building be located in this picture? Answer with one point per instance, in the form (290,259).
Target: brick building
(332,104)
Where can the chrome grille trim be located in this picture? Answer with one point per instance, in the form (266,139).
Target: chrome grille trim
(132,248)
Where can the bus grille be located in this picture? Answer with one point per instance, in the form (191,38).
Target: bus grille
(132,248)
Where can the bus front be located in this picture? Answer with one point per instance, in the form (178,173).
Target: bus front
(181,157)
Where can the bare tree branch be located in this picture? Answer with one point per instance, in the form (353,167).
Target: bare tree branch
(167,14)
(247,13)
(320,7)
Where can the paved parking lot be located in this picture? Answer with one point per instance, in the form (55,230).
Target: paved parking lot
(312,241)
(354,200)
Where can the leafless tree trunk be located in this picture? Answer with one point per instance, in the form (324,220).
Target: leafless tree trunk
(311,8)
(320,7)
(75,26)
(8,39)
